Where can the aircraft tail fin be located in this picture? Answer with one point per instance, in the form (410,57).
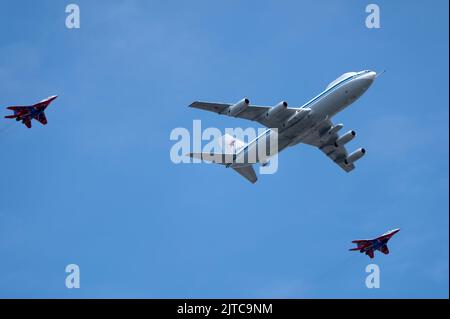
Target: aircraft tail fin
(231,144)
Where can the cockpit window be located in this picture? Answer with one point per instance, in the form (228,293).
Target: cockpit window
(341,78)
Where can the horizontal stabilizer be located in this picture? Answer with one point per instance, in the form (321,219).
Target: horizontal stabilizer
(218,158)
(248,172)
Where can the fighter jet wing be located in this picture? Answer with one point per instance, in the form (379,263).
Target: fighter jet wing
(369,253)
(325,142)
(360,241)
(20,109)
(251,112)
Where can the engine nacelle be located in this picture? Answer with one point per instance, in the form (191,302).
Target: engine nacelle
(237,108)
(356,155)
(333,130)
(344,139)
(274,111)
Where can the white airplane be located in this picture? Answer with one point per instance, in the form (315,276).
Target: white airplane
(310,124)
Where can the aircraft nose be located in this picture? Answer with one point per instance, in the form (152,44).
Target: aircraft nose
(371,75)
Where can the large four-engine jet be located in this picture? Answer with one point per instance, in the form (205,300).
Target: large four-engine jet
(27,113)
(310,124)
(368,246)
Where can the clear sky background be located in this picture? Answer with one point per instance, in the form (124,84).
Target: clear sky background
(96,186)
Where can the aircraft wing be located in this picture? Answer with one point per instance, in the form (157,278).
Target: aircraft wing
(41,105)
(251,112)
(20,109)
(357,241)
(326,144)
(384,237)
(361,242)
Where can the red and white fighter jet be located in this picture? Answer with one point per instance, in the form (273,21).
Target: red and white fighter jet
(369,246)
(27,113)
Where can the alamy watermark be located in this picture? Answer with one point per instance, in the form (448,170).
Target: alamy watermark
(233,147)
(73,277)
(373,19)
(73,19)
(373,279)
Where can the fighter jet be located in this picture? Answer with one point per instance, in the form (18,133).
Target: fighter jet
(27,113)
(368,246)
(309,124)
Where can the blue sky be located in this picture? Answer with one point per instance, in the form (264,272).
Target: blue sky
(96,186)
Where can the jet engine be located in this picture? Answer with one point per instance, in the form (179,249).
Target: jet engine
(333,130)
(344,139)
(356,155)
(274,111)
(237,108)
